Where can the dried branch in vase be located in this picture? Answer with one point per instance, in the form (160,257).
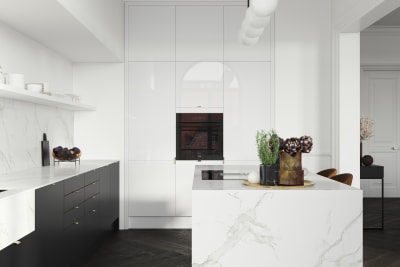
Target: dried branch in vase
(366,128)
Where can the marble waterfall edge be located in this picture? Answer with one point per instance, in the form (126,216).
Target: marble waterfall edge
(236,225)
(277,228)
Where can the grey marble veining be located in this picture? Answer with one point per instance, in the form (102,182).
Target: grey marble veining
(234,225)
(22,125)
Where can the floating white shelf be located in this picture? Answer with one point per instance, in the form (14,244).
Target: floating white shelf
(9,92)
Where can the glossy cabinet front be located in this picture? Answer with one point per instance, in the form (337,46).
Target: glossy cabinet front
(199,84)
(199,33)
(151,33)
(247,108)
(151,110)
(151,188)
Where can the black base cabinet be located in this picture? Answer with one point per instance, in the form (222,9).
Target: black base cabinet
(72,217)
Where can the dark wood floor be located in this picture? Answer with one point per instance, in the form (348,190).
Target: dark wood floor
(382,248)
(170,248)
(147,248)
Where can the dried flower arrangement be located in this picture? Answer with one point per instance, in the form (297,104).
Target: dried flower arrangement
(366,128)
(293,145)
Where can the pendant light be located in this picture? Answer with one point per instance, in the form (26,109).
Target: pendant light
(257,17)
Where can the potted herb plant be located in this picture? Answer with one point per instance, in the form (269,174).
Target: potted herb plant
(268,144)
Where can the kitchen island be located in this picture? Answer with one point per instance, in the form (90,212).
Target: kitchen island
(238,225)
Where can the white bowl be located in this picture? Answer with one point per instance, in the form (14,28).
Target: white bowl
(34,87)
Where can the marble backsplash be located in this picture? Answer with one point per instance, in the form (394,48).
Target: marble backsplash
(22,126)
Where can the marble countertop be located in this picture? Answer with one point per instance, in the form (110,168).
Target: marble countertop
(34,178)
(239,173)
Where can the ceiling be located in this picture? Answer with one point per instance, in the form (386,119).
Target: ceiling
(391,19)
(49,23)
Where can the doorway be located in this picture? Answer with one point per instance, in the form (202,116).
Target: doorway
(380,101)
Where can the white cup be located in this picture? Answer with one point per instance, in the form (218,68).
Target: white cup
(16,80)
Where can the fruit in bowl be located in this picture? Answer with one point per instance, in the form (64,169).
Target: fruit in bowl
(63,153)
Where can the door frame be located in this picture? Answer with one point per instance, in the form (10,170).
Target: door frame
(358,17)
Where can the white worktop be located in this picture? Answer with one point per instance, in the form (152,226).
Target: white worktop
(234,182)
(17,204)
(38,177)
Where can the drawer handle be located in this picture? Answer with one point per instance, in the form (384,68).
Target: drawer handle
(94,183)
(93,210)
(18,242)
(77,207)
(77,191)
(76,223)
(93,196)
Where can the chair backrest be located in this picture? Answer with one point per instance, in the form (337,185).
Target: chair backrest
(346,178)
(328,172)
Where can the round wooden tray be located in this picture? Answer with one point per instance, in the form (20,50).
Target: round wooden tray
(307,183)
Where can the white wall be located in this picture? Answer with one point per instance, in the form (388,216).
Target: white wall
(380,46)
(20,54)
(22,124)
(104,18)
(302,75)
(349,105)
(100,134)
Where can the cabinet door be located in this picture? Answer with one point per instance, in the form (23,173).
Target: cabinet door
(233,49)
(247,108)
(184,184)
(199,84)
(199,33)
(49,222)
(152,111)
(151,33)
(151,188)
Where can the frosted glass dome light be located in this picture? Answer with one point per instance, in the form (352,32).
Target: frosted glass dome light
(256,18)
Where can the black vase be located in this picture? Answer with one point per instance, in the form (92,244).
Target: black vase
(269,174)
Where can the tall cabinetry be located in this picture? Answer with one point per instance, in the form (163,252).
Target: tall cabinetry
(151,112)
(185,57)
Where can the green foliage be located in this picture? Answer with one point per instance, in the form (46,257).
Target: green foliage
(268,146)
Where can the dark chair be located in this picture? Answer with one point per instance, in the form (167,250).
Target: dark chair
(329,173)
(345,178)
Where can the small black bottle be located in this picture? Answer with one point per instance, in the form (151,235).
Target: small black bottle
(45,151)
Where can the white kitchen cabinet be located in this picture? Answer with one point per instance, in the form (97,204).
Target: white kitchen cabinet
(247,108)
(151,188)
(199,33)
(184,173)
(152,119)
(151,33)
(233,49)
(199,84)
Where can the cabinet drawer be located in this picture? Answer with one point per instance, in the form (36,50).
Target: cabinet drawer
(91,177)
(73,199)
(73,184)
(73,216)
(92,204)
(92,189)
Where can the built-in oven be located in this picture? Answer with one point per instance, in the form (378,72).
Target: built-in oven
(199,136)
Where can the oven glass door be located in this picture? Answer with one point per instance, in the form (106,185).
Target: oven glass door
(199,141)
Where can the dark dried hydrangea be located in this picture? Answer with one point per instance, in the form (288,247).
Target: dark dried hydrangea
(292,146)
(306,143)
